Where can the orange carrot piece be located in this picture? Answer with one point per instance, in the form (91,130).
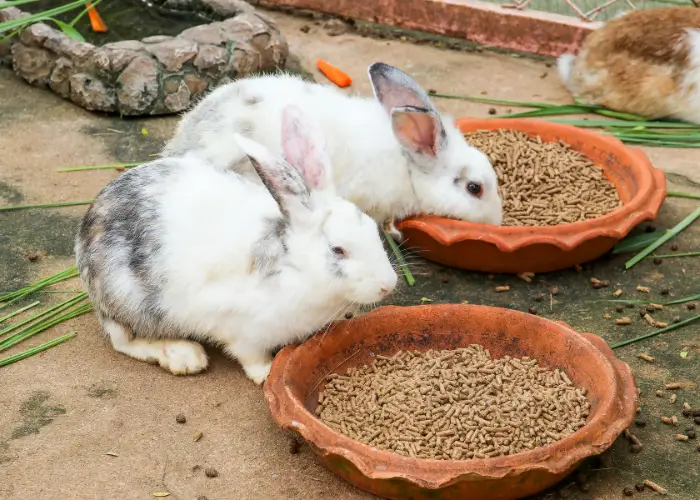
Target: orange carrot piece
(335,75)
(96,21)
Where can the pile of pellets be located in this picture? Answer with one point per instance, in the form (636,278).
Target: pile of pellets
(544,183)
(453,405)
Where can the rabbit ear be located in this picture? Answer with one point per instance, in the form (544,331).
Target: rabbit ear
(416,122)
(418,130)
(394,89)
(304,146)
(283,181)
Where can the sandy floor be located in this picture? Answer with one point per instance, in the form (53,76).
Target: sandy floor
(82,422)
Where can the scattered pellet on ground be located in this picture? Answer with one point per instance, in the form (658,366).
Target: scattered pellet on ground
(453,405)
(501,288)
(607,316)
(639,487)
(197,436)
(617,293)
(673,398)
(681,437)
(673,386)
(532,310)
(649,320)
(544,183)
(657,307)
(653,486)
(660,394)
(623,321)
(690,306)
(180,419)
(640,422)
(643,289)
(646,357)
(211,472)
(526,277)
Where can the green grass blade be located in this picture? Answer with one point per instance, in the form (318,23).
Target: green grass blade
(100,167)
(83,12)
(36,350)
(552,111)
(626,124)
(683,300)
(678,194)
(656,332)
(672,255)
(44,315)
(399,258)
(67,29)
(15,3)
(619,115)
(487,100)
(18,311)
(26,21)
(46,205)
(10,298)
(25,334)
(671,233)
(637,242)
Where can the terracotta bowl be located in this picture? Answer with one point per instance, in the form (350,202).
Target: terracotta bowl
(298,374)
(499,249)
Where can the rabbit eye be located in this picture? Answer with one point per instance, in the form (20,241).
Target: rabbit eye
(474,188)
(339,251)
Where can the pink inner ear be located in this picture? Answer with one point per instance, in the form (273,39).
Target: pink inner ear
(416,131)
(301,151)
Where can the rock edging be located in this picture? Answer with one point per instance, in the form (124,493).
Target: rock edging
(154,76)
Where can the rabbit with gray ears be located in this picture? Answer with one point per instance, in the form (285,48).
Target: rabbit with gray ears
(176,251)
(645,62)
(393,156)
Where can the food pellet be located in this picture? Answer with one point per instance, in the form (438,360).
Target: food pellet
(181,419)
(623,321)
(544,183)
(453,405)
(211,472)
(652,485)
(646,357)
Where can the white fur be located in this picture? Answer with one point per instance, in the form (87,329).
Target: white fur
(209,224)
(564,65)
(690,108)
(370,167)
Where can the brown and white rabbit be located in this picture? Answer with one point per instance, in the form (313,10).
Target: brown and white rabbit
(645,62)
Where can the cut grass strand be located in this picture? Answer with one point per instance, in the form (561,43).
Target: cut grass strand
(691,298)
(20,294)
(46,205)
(672,255)
(656,332)
(399,258)
(44,315)
(35,350)
(678,194)
(100,167)
(18,311)
(671,233)
(501,102)
(636,242)
(45,325)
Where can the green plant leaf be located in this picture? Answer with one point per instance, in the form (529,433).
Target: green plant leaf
(68,30)
(671,233)
(636,242)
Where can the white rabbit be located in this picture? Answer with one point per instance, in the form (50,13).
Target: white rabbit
(392,156)
(175,251)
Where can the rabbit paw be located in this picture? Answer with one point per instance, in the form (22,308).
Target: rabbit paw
(183,357)
(257,372)
(390,229)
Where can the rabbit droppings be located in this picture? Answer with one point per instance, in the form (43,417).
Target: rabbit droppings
(175,251)
(392,156)
(645,62)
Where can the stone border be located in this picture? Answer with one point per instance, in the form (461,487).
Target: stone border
(157,75)
(530,31)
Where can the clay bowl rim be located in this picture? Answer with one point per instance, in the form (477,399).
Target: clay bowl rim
(644,205)
(435,474)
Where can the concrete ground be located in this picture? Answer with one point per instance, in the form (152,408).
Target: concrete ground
(83,422)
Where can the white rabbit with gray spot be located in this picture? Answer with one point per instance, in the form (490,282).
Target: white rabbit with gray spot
(176,251)
(393,156)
